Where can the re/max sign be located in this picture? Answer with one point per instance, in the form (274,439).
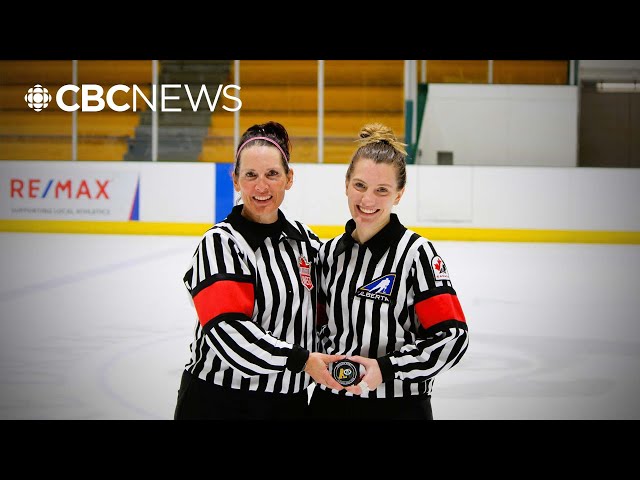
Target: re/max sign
(36,188)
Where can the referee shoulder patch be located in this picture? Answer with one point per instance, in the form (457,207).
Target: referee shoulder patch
(439,268)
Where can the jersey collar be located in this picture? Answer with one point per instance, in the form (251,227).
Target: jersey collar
(256,233)
(390,234)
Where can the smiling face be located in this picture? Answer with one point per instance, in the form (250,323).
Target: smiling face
(262,182)
(372,191)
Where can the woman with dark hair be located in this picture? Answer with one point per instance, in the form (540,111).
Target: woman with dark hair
(252,280)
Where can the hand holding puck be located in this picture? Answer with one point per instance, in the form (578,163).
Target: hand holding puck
(346,372)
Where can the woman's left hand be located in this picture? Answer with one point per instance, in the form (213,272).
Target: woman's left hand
(372,377)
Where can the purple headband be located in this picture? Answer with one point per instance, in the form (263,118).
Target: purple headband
(270,140)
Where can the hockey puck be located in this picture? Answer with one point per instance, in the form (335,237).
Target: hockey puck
(346,372)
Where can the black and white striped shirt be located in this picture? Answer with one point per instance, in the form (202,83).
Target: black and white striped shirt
(390,299)
(253,289)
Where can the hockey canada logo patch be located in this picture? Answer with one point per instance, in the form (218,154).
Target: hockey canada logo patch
(380,289)
(305,273)
(440,271)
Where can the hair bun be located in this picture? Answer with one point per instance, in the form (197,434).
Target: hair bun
(376,132)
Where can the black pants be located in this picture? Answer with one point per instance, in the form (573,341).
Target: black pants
(201,400)
(325,405)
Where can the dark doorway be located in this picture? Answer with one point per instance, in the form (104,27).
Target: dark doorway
(609,123)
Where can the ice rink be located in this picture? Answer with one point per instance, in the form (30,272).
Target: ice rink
(99,326)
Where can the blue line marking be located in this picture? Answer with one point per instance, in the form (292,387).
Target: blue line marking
(223,191)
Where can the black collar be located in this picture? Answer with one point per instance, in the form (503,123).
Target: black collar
(256,233)
(390,234)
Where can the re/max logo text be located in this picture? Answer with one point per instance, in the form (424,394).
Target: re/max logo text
(36,188)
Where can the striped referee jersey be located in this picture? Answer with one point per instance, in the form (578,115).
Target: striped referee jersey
(390,298)
(253,289)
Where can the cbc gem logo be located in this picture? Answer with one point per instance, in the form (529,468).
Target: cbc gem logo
(38,98)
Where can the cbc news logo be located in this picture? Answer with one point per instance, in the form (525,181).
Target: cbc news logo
(38,98)
(159,97)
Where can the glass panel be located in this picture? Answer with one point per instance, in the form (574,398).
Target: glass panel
(358,92)
(285,91)
(106,134)
(542,72)
(355,92)
(527,116)
(192,88)
(33,128)
(457,71)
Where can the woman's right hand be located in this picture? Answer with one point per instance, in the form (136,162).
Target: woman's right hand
(317,368)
